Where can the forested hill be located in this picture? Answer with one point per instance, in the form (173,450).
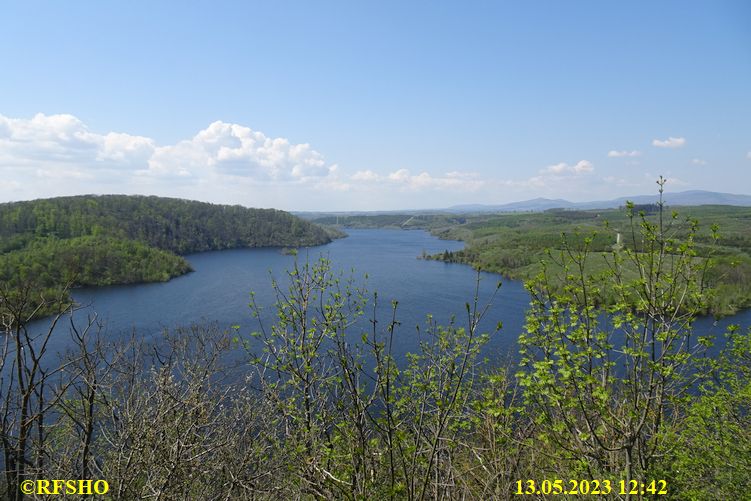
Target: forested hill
(179,226)
(116,239)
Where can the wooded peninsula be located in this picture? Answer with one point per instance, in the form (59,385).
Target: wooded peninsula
(49,245)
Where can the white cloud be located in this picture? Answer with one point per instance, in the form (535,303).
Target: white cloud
(698,161)
(55,146)
(624,153)
(64,139)
(365,175)
(577,178)
(235,150)
(557,168)
(557,178)
(400,176)
(581,166)
(404,180)
(671,142)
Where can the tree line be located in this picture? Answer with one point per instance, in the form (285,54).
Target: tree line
(176,225)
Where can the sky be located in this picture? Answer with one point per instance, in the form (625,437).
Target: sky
(340,105)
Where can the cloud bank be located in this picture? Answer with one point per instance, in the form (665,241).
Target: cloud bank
(63,143)
(404,180)
(55,155)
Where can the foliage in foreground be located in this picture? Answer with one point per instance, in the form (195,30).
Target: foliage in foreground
(319,407)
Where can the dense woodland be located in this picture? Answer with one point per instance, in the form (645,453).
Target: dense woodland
(52,244)
(624,407)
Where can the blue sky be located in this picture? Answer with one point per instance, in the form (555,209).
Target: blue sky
(381,105)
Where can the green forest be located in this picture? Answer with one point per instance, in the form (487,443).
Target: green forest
(52,244)
(632,406)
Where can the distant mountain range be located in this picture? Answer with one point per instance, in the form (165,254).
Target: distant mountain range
(693,197)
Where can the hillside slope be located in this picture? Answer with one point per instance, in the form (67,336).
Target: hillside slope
(514,245)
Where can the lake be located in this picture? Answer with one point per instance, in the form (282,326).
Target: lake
(218,290)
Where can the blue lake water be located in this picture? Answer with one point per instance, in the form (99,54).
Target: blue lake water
(218,290)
